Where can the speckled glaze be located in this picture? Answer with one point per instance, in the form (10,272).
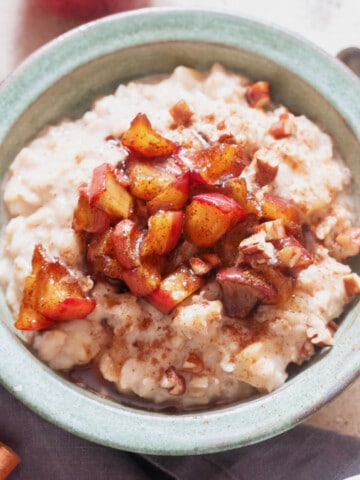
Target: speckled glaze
(63,79)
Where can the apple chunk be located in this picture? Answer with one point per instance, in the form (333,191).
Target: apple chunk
(174,288)
(243,289)
(51,294)
(59,296)
(147,180)
(172,197)
(108,194)
(274,208)
(143,140)
(209,216)
(143,279)
(163,233)
(126,239)
(89,219)
(217,163)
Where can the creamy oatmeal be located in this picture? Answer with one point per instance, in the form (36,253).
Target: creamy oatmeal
(185,237)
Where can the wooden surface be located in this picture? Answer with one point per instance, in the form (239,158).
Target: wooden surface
(331,24)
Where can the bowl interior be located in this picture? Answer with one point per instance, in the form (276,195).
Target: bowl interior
(69,95)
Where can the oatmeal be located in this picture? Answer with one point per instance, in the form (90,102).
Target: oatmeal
(185,237)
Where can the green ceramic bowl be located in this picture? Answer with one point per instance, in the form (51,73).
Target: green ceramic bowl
(62,79)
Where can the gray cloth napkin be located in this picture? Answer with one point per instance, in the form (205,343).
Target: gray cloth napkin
(304,453)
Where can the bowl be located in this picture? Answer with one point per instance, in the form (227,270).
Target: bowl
(62,79)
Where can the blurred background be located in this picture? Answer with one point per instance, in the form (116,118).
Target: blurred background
(333,25)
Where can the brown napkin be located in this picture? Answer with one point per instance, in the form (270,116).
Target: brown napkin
(304,453)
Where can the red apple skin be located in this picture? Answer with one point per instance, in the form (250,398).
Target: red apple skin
(223,203)
(71,308)
(89,219)
(174,288)
(108,194)
(125,239)
(209,216)
(141,280)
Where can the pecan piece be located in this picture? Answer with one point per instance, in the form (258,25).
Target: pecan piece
(173,382)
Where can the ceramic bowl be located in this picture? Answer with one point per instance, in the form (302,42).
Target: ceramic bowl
(62,79)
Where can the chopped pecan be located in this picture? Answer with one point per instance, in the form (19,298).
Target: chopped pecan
(267,165)
(193,364)
(173,382)
(181,113)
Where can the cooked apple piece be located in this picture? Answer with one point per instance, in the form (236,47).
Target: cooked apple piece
(274,208)
(126,239)
(101,256)
(142,139)
(89,219)
(284,127)
(174,288)
(147,180)
(108,194)
(164,231)
(209,216)
(293,255)
(143,279)
(30,319)
(59,295)
(217,163)
(172,197)
(258,94)
(242,290)
(238,190)
(50,294)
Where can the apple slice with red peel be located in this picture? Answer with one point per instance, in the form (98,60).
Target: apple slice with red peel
(209,216)
(101,258)
(29,319)
(172,197)
(147,180)
(142,139)
(50,294)
(108,194)
(174,288)
(258,94)
(243,289)
(142,280)
(274,208)
(163,233)
(126,239)
(217,163)
(59,296)
(89,219)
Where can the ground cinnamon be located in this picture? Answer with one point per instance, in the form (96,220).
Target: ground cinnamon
(8,461)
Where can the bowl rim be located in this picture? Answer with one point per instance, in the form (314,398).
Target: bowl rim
(118,426)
